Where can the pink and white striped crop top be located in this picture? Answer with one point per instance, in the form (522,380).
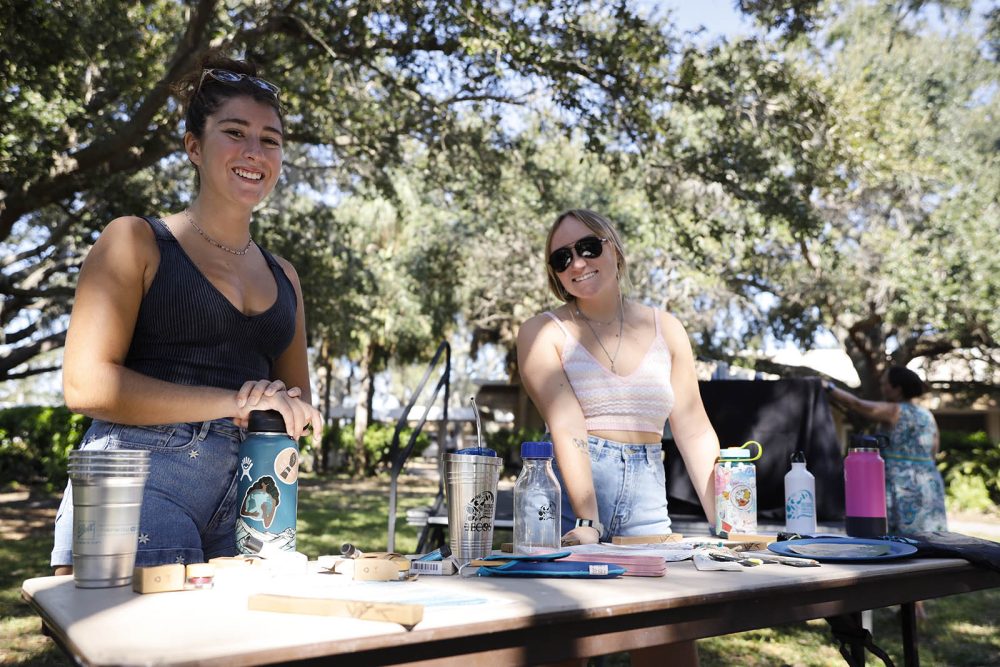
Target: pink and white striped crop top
(641,401)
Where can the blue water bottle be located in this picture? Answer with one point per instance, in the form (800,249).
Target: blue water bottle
(267,488)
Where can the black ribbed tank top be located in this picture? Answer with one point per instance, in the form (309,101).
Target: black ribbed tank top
(187,332)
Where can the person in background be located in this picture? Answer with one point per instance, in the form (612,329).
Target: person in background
(606,373)
(914,490)
(182,325)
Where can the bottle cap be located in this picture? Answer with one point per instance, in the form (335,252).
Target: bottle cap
(741,453)
(536,450)
(799,456)
(266,421)
(734,453)
(864,442)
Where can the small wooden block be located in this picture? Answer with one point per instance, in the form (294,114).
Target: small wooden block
(377,569)
(646,539)
(401,562)
(230,561)
(406,615)
(158,579)
(749,542)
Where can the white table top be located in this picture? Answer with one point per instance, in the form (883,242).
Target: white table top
(117,626)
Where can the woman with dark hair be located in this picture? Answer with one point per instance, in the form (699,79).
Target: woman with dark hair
(182,325)
(914,489)
(607,373)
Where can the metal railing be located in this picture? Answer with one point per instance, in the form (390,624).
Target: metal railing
(399,455)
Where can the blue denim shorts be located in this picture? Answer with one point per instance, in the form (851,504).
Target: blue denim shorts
(631,489)
(189,503)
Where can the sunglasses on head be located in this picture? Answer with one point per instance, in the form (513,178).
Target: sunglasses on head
(588,247)
(231,78)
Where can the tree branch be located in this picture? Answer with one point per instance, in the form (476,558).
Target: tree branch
(108,151)
(31,372)
(19,355)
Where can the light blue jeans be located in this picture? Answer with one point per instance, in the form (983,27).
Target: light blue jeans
(189,502)
(631,489)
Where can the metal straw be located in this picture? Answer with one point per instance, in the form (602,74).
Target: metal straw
(479,424)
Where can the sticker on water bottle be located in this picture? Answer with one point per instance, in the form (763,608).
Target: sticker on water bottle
(261,501)
(800,505)
(286,465)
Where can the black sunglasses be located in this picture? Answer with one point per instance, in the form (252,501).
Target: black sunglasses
(231,78)
(588,247)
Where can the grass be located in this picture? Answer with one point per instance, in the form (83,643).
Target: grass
(963,630)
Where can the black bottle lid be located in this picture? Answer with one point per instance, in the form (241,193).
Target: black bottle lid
(860,441)
(266,421)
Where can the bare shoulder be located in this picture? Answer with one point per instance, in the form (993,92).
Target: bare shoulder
(127,237)
(289,270)
(670,326)
(128,228)
(539,327)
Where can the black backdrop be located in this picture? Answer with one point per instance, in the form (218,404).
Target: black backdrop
(783,415)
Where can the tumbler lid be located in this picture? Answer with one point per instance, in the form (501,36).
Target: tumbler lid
(266,421)
(477,451)
(536,450)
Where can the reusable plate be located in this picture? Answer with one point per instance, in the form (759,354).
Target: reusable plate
(843,549)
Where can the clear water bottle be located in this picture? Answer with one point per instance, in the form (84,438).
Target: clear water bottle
(800,498)
(736,490)
(537,501)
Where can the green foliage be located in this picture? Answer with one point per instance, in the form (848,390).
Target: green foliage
(507,444)
(367,87)
(339,442)
(841,180)
(970,465)
(35,443)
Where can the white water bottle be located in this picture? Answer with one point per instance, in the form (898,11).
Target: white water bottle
(800,498)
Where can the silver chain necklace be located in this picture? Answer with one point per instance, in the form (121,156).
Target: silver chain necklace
(233,251)
(621,328)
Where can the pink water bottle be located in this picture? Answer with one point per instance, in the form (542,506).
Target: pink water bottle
(864,489)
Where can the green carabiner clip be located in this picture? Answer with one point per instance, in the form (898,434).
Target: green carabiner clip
(740,454)
(760,449)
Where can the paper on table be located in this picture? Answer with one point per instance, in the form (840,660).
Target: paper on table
(702,561)
(405,592)
(635,565)
(670,553)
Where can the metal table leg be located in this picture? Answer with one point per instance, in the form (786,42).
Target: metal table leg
(908,621)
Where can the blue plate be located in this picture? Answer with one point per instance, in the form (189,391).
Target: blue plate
(896,549)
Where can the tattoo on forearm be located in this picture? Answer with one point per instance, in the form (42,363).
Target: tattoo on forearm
(582,445)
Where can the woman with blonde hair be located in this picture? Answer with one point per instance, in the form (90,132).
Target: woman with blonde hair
(606,373)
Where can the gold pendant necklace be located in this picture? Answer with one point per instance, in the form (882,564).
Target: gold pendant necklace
(621,327)
(233,251)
